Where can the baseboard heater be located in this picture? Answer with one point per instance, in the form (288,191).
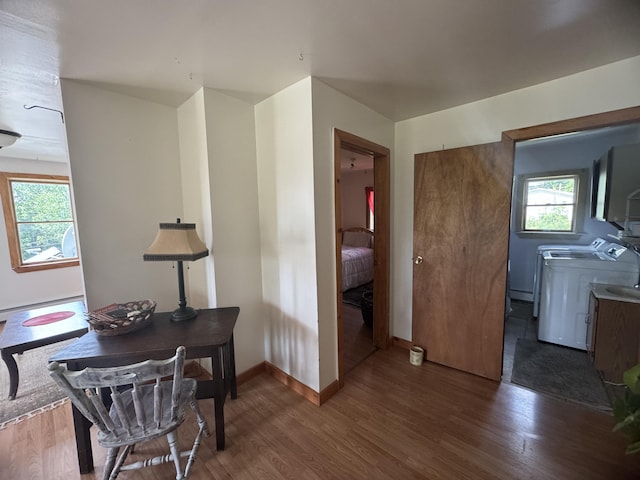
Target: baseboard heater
(521,295)
(4,314)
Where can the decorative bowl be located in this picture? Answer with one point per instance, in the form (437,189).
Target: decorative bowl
(121,318)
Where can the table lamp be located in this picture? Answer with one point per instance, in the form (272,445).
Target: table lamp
(178,242)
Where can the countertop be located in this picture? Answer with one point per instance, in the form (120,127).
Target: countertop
(607,292)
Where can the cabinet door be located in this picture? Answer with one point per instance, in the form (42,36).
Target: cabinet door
(619,177)
(617,338)
(592,326)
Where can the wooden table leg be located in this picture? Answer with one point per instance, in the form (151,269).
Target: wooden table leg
(218,397)
(82,428)
(14,376)
(231,369)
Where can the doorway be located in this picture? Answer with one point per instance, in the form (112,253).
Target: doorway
(358,225)
(380,157)
(558,146)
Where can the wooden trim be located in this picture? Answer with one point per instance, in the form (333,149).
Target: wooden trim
(10,221)
(359,144)
(251,373)
(295,385)
(329,392)
(401,342)
(588,122)
(337,194)
(381,252)
(286,379)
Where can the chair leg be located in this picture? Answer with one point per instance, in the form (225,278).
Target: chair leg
(204,426)
(194,450)
(172,438)
(112,454)
(120,462)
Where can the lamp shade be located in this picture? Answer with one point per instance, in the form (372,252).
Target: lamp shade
(176,242)
(8,138)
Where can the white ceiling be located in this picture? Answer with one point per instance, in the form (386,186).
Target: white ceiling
(402,58)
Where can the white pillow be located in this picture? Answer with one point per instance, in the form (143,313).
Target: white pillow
(356,239)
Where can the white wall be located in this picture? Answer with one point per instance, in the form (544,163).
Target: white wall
(125,163)
(124,160)
(354,204)
(233,181)
(294,139)
(284,146)
(32,288)
(599,90)
(332,109)
(196,198)
(220,194)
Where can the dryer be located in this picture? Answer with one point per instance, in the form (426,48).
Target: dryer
(566,283)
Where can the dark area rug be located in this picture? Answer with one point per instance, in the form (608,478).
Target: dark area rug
(560,371)
(36,389)
(353,296)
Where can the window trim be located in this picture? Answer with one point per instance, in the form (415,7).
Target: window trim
(15,255)
(581,208)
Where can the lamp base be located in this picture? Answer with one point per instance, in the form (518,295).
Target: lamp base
(181,314)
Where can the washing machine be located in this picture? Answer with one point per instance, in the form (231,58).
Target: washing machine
(595,245)
(566,284)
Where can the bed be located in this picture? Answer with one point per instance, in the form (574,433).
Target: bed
(357,257)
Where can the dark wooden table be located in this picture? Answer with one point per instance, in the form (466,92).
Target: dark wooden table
(210,335)
(17,338)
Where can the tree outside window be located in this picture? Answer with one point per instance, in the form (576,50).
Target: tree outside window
(550,203)
(39,219)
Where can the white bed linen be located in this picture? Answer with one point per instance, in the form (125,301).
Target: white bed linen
(357,266)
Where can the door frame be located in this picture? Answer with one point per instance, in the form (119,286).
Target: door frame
(577,124)
(588,122)
(381,251)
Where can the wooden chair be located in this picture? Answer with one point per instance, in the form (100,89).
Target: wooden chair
(143,407)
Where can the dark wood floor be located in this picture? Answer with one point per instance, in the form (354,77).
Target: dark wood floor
(358,338)
(392,420)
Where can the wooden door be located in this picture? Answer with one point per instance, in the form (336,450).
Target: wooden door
(462,202)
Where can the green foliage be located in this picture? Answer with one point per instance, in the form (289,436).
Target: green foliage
(43,214)
(41,202)
(627,409)
(555,219)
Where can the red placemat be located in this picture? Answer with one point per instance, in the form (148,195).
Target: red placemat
(47,318)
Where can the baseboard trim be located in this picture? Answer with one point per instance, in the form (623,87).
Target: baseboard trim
(329,392)
(251,373)
(284,378)
(295,385)
(401,342)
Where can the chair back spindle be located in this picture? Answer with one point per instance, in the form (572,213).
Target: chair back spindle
(144,405)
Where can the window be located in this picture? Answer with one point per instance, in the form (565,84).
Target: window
(39,220)
(551,202)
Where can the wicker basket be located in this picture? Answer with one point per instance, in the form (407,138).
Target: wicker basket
(121,318)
